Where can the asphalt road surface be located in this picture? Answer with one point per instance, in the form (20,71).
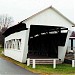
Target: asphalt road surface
(8,68)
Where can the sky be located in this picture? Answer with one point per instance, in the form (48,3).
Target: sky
(21,9)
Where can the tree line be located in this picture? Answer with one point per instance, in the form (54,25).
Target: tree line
(2,36)
(5,22)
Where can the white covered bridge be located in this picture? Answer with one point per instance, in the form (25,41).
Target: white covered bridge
(43,35)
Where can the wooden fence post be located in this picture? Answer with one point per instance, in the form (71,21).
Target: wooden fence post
(73,63)
(28,61)
(33,63)
(54,63)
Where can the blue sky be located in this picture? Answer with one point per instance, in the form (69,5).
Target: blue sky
(21,9)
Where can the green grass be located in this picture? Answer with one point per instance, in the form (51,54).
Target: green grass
(62,69)
(1,49)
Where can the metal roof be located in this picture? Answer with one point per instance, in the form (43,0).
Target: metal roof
(15,28)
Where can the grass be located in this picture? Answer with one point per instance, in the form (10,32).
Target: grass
(62,69)
(1,49)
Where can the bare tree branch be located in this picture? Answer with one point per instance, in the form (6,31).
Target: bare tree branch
(6,20)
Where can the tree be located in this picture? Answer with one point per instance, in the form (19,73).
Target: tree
(2,36)
(5,21)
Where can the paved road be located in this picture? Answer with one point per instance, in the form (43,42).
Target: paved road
(8,68)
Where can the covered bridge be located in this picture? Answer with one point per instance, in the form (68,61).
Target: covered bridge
(42,35)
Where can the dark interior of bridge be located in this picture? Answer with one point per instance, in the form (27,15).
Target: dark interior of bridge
(44,41)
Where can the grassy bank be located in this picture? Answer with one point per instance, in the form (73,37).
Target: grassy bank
(62,69)
(1,49)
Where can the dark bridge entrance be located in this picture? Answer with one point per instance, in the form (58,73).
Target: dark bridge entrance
(44,41)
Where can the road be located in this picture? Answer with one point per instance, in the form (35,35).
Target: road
(8,68)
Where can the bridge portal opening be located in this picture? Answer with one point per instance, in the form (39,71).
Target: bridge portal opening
(44,41)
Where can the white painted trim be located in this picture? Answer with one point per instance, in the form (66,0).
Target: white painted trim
(54,63)
(72,37)
(34,63)
(28,61)
(46,59)
(73,63)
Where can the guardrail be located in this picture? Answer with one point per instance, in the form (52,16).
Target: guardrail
(34,62)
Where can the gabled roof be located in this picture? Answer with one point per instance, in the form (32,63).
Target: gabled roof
(22,26)
(46,9)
